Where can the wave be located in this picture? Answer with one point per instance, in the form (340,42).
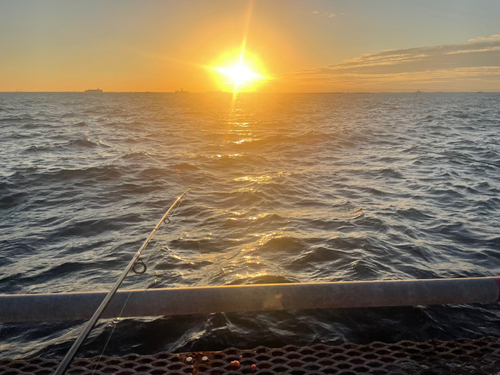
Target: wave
(65,176)
(322,188)
(13,200)
(255,222)
(16,118)
(83,143)
(84,228)
(38,148)
(185,167)
(264,279)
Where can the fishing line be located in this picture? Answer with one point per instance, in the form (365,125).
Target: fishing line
(111,334)
(61,369)
(155,246)
(144,265)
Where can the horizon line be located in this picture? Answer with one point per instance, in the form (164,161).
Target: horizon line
(267,92)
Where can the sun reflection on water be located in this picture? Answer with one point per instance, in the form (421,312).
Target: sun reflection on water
(263,178)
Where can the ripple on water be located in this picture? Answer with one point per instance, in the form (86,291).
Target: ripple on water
(290,188)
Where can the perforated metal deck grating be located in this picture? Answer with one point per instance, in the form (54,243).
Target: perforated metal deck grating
(432,357)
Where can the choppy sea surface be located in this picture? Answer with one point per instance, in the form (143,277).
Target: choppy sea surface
(289,188)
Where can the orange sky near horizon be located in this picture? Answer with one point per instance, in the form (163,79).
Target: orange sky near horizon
(300,46)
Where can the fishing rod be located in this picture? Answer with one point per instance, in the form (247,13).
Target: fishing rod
(61,369)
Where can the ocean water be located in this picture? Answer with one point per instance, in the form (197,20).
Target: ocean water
(289,188)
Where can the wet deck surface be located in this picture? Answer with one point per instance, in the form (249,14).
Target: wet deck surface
(480,356)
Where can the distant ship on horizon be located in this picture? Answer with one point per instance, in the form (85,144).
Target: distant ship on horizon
(181,91)
(98,90)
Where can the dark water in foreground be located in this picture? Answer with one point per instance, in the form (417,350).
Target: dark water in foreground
(290,188)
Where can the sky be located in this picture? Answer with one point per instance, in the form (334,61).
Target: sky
(293,45)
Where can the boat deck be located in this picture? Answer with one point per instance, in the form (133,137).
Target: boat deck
(481,356)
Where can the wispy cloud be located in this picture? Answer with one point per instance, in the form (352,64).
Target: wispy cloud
(435,65)
(475,50)
(329,15)
(481,39)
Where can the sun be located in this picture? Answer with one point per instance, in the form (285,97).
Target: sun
(236,72)
(239,74)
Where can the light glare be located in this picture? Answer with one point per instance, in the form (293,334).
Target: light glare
(239,74)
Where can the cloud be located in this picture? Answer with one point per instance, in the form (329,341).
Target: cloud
(481,39)
(329,15)
(475,50)
(437,65)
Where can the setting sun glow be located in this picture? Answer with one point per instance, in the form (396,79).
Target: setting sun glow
(240,77)
(239,74)
(239,71)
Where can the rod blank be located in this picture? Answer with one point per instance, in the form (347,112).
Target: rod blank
(186,301)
